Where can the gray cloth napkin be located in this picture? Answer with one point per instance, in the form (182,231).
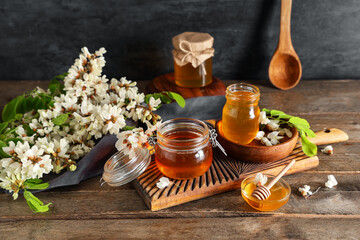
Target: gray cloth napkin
(93,163)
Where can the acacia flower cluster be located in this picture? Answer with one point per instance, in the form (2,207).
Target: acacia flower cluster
(91,106)
(277,133)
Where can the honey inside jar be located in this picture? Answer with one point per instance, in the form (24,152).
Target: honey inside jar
(183,150)
(279,195)
(190,77)
(241,113)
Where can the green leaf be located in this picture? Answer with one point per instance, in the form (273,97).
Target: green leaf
(285,116)
(276,112)
(10,131)
(266,110)
(36,184)
(299,123)
(165,99)
(308,147)
(34,180)
(35,204)
(29,103)
(11,109)
(3,126)
(15,140)
(60,77)
(60,120)
(40,104)
(28,130)
(54,87)
(310,133)
(178,98)
(2,153)
(18,116)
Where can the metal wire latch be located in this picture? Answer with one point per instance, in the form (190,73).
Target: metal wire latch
(214,141)
(152,143)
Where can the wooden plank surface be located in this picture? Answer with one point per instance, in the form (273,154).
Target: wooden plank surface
(106,212)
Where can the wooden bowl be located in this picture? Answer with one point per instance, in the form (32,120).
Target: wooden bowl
(255,151)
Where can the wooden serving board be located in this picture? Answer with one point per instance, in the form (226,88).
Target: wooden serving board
(166,82)
(225,174)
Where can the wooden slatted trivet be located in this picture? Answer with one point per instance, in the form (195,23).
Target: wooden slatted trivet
(224,174)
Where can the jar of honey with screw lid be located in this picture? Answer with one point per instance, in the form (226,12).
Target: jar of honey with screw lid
(240,118)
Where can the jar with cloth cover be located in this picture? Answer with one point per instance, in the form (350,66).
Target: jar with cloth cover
(193,54)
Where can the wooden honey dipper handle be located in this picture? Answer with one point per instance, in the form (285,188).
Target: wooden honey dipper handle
(269,186)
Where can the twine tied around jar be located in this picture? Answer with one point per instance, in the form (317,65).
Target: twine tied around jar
(194,48)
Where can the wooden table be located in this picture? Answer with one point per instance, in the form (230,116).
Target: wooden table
(89,211)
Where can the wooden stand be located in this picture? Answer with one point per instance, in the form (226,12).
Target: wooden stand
(166,82)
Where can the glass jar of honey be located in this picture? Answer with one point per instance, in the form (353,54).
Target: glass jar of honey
(183,149)
(279,196)
(190,77)
(193,54)
(240,118)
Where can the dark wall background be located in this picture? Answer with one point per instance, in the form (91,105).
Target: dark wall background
(39,39)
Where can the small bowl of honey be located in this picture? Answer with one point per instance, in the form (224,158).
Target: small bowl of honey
(280,194)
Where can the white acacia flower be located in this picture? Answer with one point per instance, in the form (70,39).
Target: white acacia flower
(163,182)
(127,142)
(273,125)
(86,107)
(153,104)
(131,105)
(10,166)
(260,179)
(34,125)
(266,141)
(12,183)
(260,135)
(100,52)
(328,150)
(77,152)
(274,138)
(21,149)
(151,127)
(114,124)
(44,144)
(263,119)
(331,181)
(20,131)
(288,133)
(69,102)
(35,164)
(10,150)
(61,148)
(305,190)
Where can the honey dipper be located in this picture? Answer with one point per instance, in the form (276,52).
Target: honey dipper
(263,192)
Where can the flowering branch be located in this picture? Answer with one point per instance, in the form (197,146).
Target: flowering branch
(50,130)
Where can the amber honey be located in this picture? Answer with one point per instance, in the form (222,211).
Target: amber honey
(190,77)
(241,113)
(183,150)
(279,195)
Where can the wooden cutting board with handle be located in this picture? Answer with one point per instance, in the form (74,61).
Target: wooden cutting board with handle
(225,174)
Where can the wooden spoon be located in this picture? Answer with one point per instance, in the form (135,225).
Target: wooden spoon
(263,192)
(285,68)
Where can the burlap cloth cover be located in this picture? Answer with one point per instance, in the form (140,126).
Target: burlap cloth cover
(192,47)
